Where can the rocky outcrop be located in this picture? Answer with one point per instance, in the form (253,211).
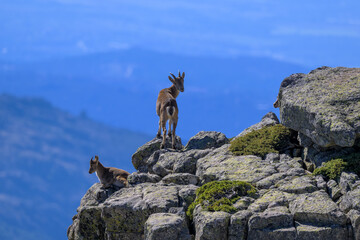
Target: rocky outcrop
(323,105)
(124,213)
(270,119)
(290,202)
(148,158)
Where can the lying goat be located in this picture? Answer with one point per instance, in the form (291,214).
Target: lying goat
(167,109)
(108,175)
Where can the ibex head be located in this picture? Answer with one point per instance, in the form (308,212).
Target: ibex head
(93,164)
(178,81)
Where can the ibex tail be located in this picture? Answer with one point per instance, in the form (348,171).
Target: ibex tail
(170,110)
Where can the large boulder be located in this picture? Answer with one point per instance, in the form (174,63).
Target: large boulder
(163,226)
(144,152)
(351,200)
(323,105)
(181,179)
(204,140)
(138,177)
(239,225)
(317,208)
(211,225)
(222,165)
(274,223)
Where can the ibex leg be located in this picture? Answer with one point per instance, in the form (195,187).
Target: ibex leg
(163,126)
(159,131)
(173,133)
(170,123)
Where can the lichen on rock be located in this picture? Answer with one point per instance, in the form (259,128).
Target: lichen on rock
(324,105)
(220,195)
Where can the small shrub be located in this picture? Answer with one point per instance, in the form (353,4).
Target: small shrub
(220,195)
(263,141)
(331,169)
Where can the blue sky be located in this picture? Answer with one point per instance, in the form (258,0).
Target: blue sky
(109,59)
(310,33)
(307,34)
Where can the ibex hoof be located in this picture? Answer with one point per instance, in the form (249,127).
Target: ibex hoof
(169,134)
(158,135)
(173,146)
(162,146)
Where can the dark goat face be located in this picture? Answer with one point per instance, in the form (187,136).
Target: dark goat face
(178,81)
(93,165)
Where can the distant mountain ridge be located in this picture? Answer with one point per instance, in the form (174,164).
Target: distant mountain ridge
(120,88)
(45,155)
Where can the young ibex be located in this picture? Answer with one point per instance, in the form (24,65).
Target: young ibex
(167,109)
(108,175)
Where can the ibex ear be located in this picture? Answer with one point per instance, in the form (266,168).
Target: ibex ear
(172,80)
(96,158)
(183,75)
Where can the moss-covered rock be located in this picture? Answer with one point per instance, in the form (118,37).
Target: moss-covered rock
(220,195)
(331,169)
(260,142)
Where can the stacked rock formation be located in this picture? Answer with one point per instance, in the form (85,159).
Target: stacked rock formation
(291,203)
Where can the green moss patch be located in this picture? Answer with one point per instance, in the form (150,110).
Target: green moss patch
(220,195)
(333,169)
(272,139)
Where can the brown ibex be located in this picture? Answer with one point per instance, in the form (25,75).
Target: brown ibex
(167,109)
(108,175)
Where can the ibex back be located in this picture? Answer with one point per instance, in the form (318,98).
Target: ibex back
(167,109)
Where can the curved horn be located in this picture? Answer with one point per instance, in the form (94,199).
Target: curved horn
(173,76)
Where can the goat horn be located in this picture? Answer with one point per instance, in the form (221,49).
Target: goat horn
(173,76)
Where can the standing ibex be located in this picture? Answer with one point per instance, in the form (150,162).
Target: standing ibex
(108,175)
(167,109)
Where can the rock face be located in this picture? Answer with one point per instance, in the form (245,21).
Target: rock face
(166,226)
(144,152)
(290,202)
(323,105)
